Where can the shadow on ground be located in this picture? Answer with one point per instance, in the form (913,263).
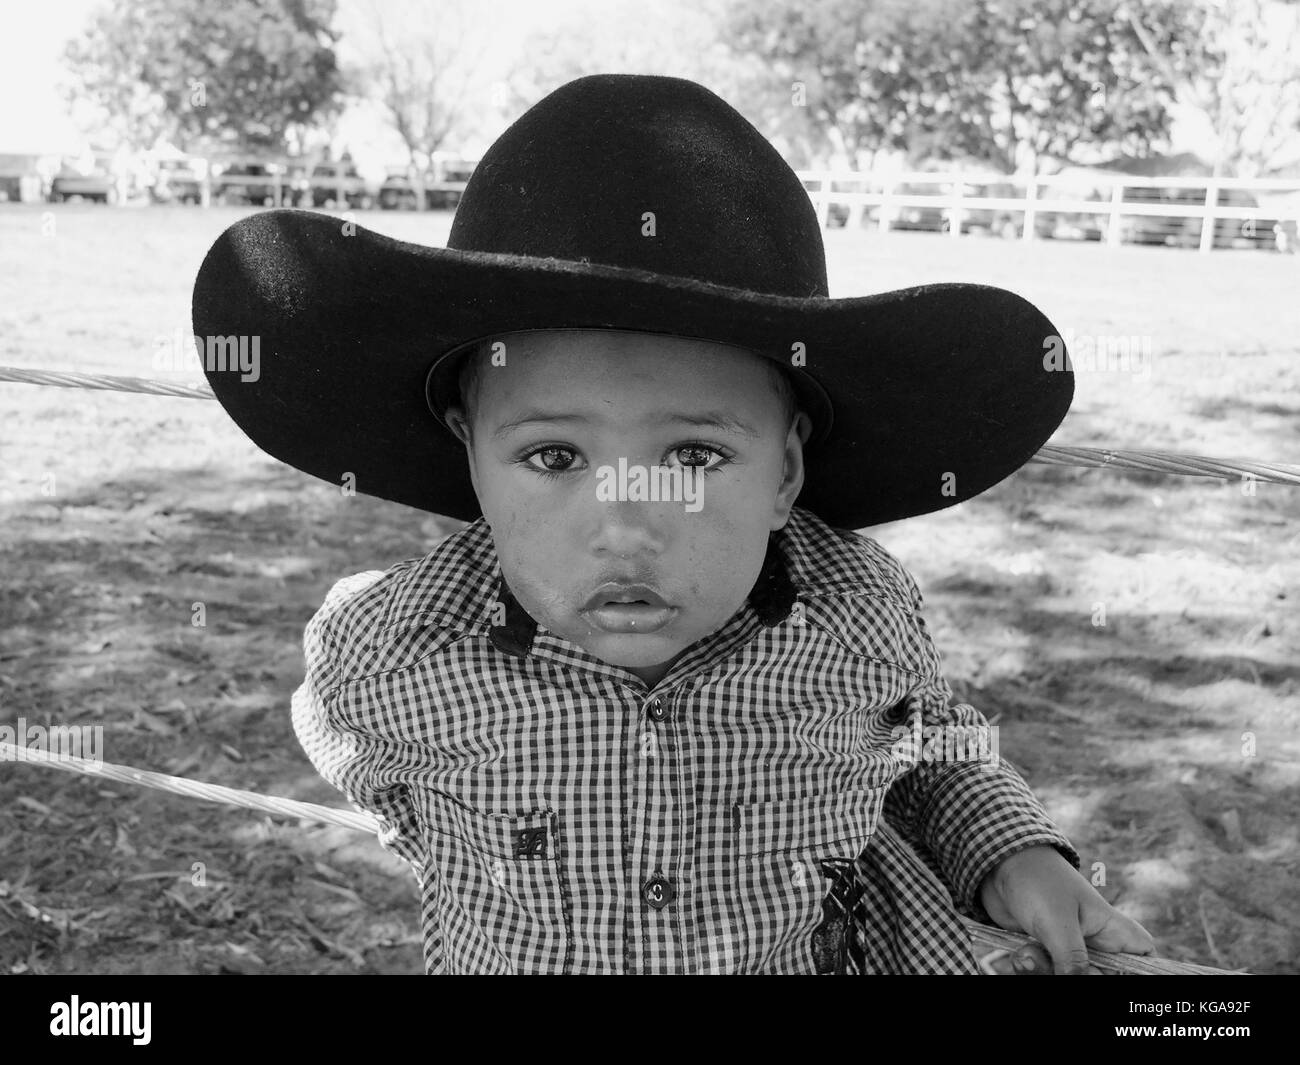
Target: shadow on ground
(1135,732)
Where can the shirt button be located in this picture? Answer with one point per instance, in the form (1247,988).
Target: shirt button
(657,891)
(658,710)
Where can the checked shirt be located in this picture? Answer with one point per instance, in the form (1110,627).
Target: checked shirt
(563,817)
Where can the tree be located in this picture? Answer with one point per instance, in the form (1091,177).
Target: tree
(244,74)
(874,75)
(1071,80)
(425,65)
(1000,81)
(1244,77)
(675,38)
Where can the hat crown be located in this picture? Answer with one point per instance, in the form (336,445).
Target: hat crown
(651,173)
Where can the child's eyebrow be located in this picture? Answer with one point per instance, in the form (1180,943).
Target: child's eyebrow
(709,419)
(714,419)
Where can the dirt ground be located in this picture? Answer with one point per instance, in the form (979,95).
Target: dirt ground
(1165,742)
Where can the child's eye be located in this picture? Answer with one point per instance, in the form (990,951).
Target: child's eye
(696,456)
(555,460)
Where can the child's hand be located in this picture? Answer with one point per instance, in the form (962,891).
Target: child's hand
(1038,892)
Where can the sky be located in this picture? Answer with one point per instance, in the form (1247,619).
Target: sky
(32,116)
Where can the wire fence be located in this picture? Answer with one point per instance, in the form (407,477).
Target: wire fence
(987,941)
(991,943)
(1051,454)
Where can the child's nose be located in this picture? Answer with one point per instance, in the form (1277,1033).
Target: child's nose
(628,528)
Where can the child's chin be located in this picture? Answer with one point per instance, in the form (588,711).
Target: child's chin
(632,650)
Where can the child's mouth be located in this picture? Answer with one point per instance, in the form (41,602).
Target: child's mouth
(630,617)
(627,608)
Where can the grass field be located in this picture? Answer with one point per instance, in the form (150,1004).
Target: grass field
(122,511)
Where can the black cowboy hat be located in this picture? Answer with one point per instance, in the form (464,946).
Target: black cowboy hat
(621,202)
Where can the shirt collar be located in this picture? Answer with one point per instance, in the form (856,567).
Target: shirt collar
(459,585)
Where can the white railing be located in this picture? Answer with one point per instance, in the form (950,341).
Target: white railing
(1200,212)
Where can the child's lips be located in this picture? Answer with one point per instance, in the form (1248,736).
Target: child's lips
(629,617)
(617,607)
(619,592)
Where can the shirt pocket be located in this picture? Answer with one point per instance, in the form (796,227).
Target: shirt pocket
(779,885)
(501,905)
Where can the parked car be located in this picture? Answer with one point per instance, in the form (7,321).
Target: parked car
(1145,229)
(78,180)
(177,181)
(20,178)
(1259,233)
(929,218)
(1185,231)
(249,180)
(1077,226)
(997,221)
(397,193)
(1010,222)
(1090,184)
(451,176)
(837,215)
(336,184)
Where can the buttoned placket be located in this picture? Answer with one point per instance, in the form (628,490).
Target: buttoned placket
(658,819)
(660,805)
(658,788)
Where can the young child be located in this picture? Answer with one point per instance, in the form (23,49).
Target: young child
(655,708)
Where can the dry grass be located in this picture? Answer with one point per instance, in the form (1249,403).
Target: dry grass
(1131,732)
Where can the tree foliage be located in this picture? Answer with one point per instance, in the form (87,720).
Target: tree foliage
(677,38)
(425,65)
(1001,81)
(245,74)
(1244,77)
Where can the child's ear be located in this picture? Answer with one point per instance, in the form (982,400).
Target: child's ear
(793,472)
(456,421)
(460,426)
(803,426)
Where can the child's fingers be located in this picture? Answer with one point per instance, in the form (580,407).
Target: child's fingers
(1122,934)
(1062,934)
(1033,960)
(1115,933)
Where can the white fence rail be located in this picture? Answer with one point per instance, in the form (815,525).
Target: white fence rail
(1204,213)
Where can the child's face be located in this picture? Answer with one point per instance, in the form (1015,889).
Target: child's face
(591,398)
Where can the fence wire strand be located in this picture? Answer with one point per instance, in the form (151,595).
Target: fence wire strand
(1166,462)
(194,789)
(987,941)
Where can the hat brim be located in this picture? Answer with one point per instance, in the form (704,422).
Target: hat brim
(939,391)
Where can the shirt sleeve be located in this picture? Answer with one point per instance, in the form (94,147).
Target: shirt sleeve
(344,755)
(969,813)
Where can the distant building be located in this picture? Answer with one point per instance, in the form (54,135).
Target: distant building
(24,177)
